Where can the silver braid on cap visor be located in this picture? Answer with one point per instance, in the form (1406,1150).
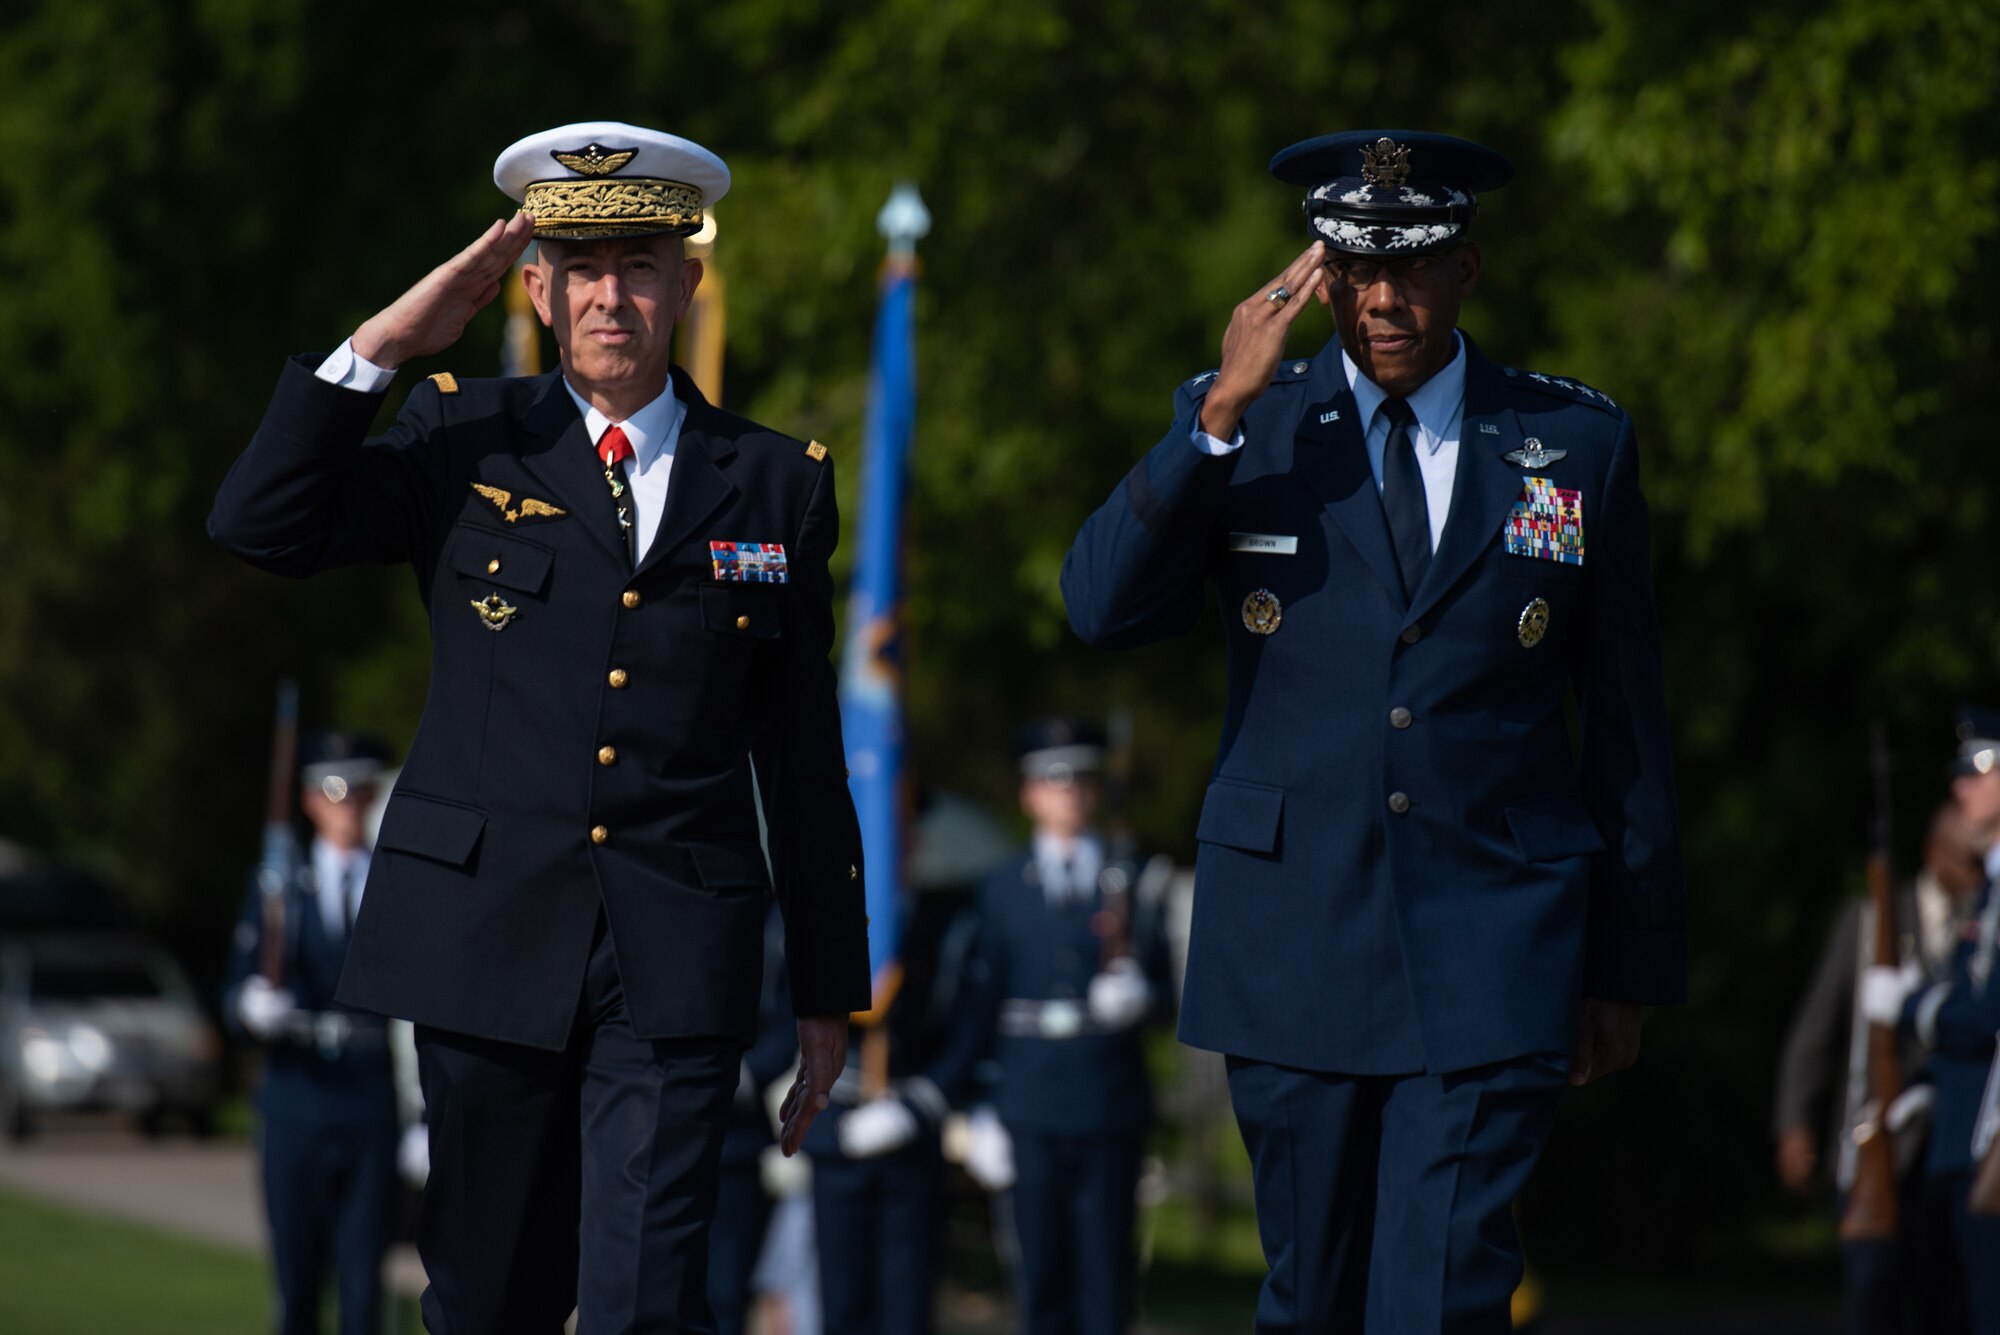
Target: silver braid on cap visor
(1368,221)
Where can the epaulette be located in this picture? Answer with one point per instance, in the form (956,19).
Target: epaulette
(1574,390)
(816,452)
(446,382)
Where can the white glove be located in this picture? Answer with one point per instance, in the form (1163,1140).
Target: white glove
(1908,1106)
(989,1151)
(876,1128)
(264,1009)
(1120,996)
(413,1156)
(1884,992)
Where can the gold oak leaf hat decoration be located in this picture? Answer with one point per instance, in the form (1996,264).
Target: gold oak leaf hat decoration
(599,180)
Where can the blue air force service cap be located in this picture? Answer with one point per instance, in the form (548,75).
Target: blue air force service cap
(1059,749)
(600,180)
(1978,741)
(1391,192)
(336,761)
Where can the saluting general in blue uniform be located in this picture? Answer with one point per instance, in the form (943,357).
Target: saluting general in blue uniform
(1958,1020)
(326,1110)
(1418,909)
(630,616)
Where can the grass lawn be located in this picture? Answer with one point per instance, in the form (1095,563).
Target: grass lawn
(63,1273)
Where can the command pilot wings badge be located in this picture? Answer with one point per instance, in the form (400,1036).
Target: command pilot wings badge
(1534,454)
(530,507)
(595,160)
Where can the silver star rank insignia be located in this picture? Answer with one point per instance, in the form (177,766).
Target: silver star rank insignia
(1533,454)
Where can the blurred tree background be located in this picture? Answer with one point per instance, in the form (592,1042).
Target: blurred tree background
(1768,231)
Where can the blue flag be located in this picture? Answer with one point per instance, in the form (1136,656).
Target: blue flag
(871,674)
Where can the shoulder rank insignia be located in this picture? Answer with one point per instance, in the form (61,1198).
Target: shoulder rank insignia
(446,382)
(1534,454)
(816,452)
(1574,389)
(530,507)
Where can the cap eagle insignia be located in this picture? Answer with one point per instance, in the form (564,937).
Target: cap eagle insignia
(502,499)
(1386,164)
(595,159)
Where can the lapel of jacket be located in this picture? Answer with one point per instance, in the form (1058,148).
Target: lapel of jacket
(556,449)
(1331,458)
(1486,485)
(698,486)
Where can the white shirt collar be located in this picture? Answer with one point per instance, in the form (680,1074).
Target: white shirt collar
(330,867)
(653,431)
(1993,861)
(1079,861)
(1436,403)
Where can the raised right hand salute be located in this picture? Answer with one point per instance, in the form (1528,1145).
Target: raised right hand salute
(432,315)
(1254,343)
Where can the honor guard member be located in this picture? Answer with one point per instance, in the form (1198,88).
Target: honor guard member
(327,1127)
(630,616)
(1071,964)
(1910,1281)
(1958,1019)
(1418,910)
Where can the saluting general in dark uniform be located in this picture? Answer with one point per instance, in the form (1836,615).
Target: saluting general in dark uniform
(1418,912)
(326,1109)
(1070,965)
(630,617)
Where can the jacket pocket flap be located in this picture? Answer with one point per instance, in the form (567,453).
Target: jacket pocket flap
(444,831)
(500,558)
(1550,828)
(1241,815)
(731,865)
(742,609)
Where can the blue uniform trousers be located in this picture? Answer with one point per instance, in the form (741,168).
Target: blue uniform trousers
(877,1225)
(1074,1212)
(1439,1252)
(742,1213)
(1977,1237)
(326,1194)
(581,1179)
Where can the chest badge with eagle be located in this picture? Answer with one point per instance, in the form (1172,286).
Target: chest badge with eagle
(502,500)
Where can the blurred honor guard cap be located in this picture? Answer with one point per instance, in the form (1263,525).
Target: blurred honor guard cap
(1059,749)
(336,761)
(1978,741)
(598,180)
(1391,192)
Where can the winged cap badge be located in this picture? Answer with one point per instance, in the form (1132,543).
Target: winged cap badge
(595,159)
(1387,164)
(1534,454)
(502,498)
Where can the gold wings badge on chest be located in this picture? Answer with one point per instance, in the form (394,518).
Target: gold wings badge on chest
(502,499)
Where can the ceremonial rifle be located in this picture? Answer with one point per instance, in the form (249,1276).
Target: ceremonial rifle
(280,855)
(1871,1205)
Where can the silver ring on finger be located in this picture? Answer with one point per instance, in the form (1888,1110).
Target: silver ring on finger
(1280,294)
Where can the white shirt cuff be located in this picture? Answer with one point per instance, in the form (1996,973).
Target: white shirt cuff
(350,370)
(1208,444)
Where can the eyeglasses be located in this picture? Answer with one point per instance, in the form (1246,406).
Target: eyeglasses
(1409,269)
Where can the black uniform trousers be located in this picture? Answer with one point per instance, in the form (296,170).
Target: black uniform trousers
(1909,1284)
(1075,1209)
(582,1179)
(742,1214)
(877,1225)
(1437,1251)
(327,1183)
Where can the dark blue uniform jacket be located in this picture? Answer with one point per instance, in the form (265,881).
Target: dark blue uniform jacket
(1964,1021)
(1331,930)
(634,701)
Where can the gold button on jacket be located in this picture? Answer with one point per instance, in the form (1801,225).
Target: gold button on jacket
(599,834)
(631,598)
(618,678)
(607,755)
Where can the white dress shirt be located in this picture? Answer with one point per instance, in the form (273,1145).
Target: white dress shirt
(653,432)
(1439,405)
(335,870)
(1069,867)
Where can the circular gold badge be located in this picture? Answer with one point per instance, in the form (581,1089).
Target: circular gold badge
(1534,623)
(1262,612)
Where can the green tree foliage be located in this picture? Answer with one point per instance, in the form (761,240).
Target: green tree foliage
(1766,230)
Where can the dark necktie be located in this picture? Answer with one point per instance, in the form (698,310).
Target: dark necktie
(1403,500)
(614,449)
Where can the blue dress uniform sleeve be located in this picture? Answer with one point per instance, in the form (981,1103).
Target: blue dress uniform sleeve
(246,947)
(1135,573)
(1637,948)
(309,494)
(815,837)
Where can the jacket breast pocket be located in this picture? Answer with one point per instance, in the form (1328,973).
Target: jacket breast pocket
(1549,829)
(732,864)
(488,557)
(1242,815)
(752,610)
(431,828)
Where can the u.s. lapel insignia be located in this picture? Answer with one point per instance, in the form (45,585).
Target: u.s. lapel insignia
(494,611)
(1534,623)
(1534,454)
(530,507)
(1262,612)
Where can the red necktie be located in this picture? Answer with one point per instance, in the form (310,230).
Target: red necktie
(614,449)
